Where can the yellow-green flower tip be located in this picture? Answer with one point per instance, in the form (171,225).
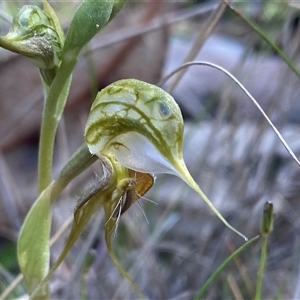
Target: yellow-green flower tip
(33,35)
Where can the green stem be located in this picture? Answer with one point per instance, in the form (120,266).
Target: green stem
(90,17)
(221,267)
(262,264)
(53,109)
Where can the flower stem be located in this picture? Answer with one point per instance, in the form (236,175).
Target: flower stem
(54,105)
(262,264)
(266,227)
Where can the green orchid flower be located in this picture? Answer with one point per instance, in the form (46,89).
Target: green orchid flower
(141,126)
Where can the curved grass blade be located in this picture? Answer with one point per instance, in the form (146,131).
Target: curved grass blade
(277,49)
(221,268)
(204,63)
(266,227)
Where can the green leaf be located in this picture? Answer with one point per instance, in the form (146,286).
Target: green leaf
(33,245)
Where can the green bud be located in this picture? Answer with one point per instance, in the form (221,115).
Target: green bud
(266,224)
(33,34)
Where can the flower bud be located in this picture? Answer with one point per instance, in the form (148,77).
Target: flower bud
(266,223)
(33,35)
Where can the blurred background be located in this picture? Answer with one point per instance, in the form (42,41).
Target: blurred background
(171,244)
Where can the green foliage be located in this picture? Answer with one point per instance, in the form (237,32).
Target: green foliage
(33,244)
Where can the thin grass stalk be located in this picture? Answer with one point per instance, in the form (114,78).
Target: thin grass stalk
(265,38)
(234,287)
(266,227)
(215,274)
(261,270)
(204,63)
(242,270)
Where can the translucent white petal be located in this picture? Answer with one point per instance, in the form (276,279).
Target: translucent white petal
(135,152)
